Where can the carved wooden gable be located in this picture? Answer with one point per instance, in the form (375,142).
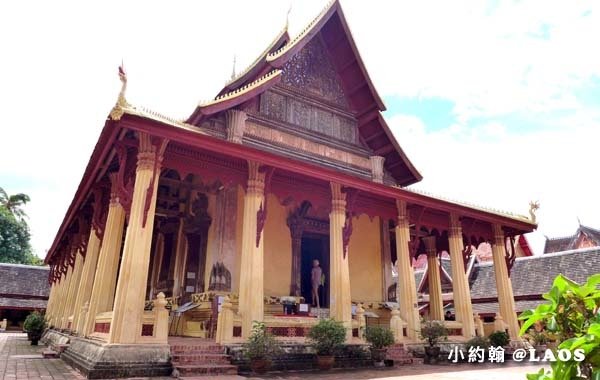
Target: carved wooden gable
(310,96)
(311,71)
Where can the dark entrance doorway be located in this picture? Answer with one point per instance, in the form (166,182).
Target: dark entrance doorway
(314,247)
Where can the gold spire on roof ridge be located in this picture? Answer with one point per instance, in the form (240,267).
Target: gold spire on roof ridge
(308,27)
(233,69)
(263,53)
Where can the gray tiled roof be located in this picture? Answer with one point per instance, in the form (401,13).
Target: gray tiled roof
(25,304)
(534,275)
(24,280)
(492,307)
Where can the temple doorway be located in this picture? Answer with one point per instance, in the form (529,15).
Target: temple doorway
(314,247)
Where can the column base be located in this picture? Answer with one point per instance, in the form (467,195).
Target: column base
(98,360)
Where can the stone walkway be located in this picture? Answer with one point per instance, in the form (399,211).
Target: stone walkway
(19,360)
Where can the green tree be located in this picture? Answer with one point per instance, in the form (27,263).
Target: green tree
(14,203)
(14,240)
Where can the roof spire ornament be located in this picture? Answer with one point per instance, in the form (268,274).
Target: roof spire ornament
(233,69)
(119,108)
(533,207)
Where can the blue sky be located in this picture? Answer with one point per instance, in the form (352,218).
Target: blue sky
(496,102)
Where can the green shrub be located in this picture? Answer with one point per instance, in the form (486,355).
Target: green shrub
(327,336)
(261,344)
(499,338)
(477,341)
(572,316)
(434,332)
(34,323)
(379,336)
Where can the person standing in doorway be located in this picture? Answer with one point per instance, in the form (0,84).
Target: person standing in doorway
(315,280)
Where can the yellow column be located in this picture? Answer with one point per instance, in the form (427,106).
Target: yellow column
(506,300)
(51,300)
(87,280)
(73,289)
(460,284)
(340,299)
(103,291)
(406,292)
(251,302)
(180,257)
(126,324)
(60,299)
(436,307)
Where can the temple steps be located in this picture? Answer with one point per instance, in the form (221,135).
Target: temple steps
(401,356)
(195,360)
(191,370)
(201,357)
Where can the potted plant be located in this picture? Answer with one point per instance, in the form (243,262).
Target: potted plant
(539,340)
(34,325)
(433,332)
(499,339)
(380,338)
(260,348)
(478,345)
(326,337)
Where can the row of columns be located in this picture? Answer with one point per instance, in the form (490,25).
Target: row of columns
(461,292)
(91,286)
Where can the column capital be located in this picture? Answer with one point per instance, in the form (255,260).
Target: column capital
(235,124)
(338,198)
(498,234)
(114,190)
(150,153)
(377,168)
(455,227)
(430,245)
(256,178)
(402,213)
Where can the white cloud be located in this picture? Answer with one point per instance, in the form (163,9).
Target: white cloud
(509,170)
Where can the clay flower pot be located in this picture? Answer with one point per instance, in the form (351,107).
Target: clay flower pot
(325,362)
(378,354)
(431,354)
(260,366)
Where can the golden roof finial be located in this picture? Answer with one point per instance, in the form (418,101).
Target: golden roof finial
(233,69)
(122,103)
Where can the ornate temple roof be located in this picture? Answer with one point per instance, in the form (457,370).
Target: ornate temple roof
(590,235)
(331,27)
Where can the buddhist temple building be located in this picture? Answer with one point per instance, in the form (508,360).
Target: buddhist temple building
(584,237)
(23,289)
(199,227)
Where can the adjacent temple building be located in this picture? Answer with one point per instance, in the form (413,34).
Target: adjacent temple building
(199,227)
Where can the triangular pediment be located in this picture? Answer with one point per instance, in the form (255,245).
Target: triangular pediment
(323,63)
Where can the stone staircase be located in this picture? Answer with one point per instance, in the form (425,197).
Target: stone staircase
(206,359)
(401,356)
